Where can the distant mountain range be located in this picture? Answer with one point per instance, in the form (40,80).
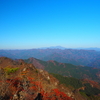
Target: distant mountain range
(73,56)
(95,63)
(96,49)
(60,47)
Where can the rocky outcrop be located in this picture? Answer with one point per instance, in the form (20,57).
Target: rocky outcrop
(29,83)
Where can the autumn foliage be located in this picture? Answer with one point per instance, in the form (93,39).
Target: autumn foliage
(25,82)
(30,89)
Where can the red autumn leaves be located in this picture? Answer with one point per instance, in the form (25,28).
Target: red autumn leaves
(33,88)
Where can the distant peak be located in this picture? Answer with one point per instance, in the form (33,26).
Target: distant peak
(53,47)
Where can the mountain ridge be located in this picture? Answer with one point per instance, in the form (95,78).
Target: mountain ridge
(73,56)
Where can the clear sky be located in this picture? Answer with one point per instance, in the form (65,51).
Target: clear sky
(26,24)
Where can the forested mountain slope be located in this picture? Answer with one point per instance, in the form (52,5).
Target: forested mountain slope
(66,69)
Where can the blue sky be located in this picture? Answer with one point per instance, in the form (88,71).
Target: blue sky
(26,24)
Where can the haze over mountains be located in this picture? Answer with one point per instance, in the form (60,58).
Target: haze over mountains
(60,47)
(74,56)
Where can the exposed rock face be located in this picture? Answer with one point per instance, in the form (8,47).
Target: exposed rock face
(29,83)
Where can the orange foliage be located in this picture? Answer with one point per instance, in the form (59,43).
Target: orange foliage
(30,78)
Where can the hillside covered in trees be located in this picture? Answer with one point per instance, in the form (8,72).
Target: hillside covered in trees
(67,69)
